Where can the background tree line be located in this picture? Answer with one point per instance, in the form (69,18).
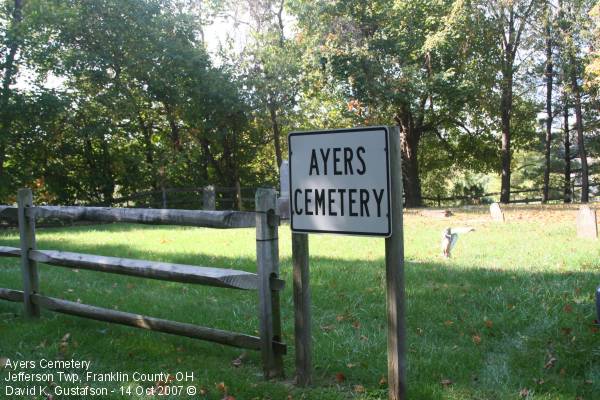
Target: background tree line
(106,98)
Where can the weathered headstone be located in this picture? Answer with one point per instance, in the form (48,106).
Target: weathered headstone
(496,212)
(284,190)
(586,223)
(437,213)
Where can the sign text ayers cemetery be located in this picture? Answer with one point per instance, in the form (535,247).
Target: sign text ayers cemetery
(339,181)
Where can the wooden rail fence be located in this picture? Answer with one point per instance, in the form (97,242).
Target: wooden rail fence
(266,281)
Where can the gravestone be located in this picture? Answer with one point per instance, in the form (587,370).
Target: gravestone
(437,213)
(496,212)
(586,223)
(284,190)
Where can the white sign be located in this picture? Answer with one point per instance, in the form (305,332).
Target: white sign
(340,181)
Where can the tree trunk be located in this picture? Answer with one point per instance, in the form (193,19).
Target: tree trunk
(108,184)
(9,72)
(585,188)
(411,180)
(567,196)
(411,128)
(549,115)
(409,143)
(505,109)
(276,135)
(175,135)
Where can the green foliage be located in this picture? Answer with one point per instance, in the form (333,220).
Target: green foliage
(141,104)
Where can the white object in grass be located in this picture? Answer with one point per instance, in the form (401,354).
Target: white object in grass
(450,237)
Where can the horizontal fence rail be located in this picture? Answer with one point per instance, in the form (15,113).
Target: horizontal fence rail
(220,277)
(6,251)
(266,281)
(9,213)
(234,339)
(11,295)
(200,218)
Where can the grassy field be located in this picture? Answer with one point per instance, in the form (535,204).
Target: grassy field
(509,316)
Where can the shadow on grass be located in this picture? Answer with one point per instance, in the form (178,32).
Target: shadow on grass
(491,332)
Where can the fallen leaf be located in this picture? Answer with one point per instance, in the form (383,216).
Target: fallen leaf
(524,392)
(363,337)
(238,361)
(63,345)
(350,365)
(489,323)
(359,388)
(340,377)
(550,363)
(340,318)
(448,323)
(221,387)
(446,382)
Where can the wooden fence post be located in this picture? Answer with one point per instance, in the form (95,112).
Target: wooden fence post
(394,263)
(28,267)
(164,197)
(209,198)
(238,196)
(302,320)
(267,257)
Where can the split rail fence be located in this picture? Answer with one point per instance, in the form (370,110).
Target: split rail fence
(266,281)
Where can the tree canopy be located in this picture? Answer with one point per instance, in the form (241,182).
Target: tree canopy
(109,98)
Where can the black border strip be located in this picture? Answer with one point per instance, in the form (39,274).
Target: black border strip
(387,162)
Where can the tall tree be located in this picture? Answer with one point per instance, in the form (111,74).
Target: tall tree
(509,20)
(567,145)
(573,15)
(548,75)
(13,39)
(270,69)
(396,62)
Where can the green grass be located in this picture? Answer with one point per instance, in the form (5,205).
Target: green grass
(512,297)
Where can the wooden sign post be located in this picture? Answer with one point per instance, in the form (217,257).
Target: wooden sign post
(348,181)
(394,265)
